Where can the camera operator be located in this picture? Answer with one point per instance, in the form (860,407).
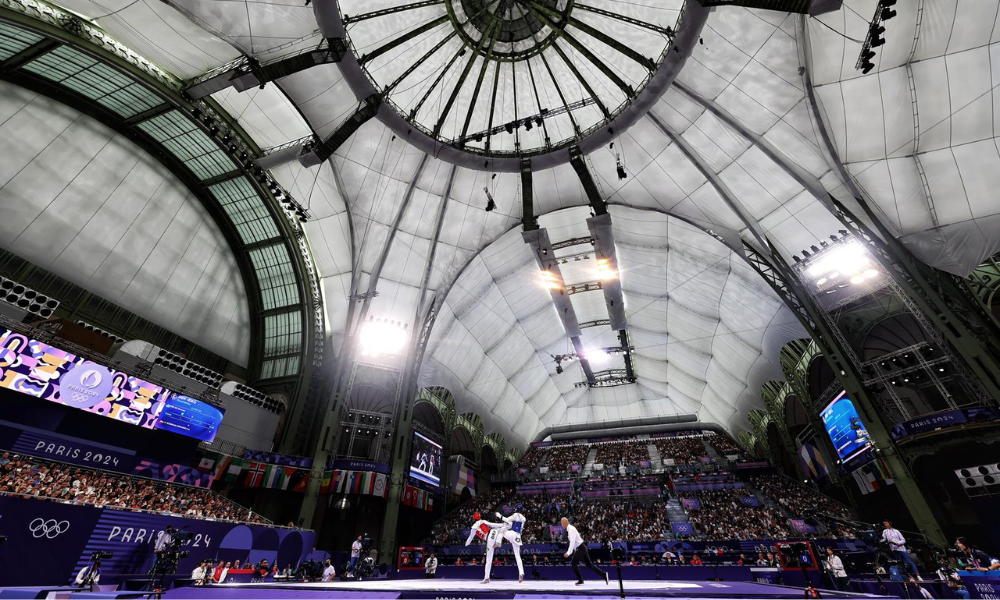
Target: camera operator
(897,546)
(949,576)
(89,576)
(355,556)
(835,567)
(163,541)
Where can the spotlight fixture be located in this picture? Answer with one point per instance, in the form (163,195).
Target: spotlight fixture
(875,33)
(887,13)
(490,204)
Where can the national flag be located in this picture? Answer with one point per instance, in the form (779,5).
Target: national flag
(299,481)
(367,483)
(408,494)
(255,474)
(430,503)
(221,466)
(233,469)
(208,461)
(327,483)
(285,477)
(271,475)
(380,489)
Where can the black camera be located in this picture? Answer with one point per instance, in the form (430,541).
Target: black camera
(101,555)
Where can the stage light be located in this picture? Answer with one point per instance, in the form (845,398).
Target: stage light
(849,260)
(382,338)
(550,281)
(596,356)
(604,270)
(887,13)
(876,32)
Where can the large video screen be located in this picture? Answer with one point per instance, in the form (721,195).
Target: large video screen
(843,425)
(425,460)
(37,369)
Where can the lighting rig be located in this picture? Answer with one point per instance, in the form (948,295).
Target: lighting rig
(840,271)
(233,146)
(883,12)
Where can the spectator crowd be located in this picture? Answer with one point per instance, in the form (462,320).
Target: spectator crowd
(32,477)
(561,458)
(623,453)
(723,516)
(683,450)
(724,445)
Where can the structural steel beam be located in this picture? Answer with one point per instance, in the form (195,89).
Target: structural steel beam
(720,186)
(249,73)
(323,151)
(587,179)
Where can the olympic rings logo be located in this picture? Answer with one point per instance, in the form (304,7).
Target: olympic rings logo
(50,528)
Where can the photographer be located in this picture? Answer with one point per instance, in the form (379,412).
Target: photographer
(974,558)
(835,567)
(950,576)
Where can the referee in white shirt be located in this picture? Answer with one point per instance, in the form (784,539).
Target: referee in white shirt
(579,551)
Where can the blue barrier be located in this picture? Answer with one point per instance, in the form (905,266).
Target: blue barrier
(49,542)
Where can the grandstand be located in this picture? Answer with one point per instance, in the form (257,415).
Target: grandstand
(342,298)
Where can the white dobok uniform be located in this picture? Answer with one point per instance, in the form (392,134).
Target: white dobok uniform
(509,529)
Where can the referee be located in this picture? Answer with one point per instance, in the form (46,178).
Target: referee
(579,551)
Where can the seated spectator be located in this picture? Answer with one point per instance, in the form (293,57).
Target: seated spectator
(696,561)
(32,477)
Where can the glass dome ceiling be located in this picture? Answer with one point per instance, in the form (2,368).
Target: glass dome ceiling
(509,77)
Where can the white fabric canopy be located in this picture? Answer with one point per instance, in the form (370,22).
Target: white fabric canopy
(733,146)
(88,205)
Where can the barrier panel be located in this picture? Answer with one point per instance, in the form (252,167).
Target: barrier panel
(49,542)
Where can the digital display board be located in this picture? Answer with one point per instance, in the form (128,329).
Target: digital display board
(843,425)
(38,369)
(425,460)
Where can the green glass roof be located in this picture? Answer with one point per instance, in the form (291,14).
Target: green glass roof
(14,40)
(192,146)
(275,276)
(246,210)
(89,77)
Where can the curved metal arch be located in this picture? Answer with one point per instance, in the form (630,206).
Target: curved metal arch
(695,16)
(90,40)
(713,178)
(804,178)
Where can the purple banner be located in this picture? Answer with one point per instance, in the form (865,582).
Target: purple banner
(645,464)
(680,529)
(697,487)
(945,419)
(50,542)
(691,503)
(801,526)
(557,531)
(273,458)
(181,474)
(52,446)
(749,501)
(356,465)
(575,468)
(522,470)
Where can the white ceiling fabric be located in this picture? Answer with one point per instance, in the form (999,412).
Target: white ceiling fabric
(919,132)
(707,330)
(91,207)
